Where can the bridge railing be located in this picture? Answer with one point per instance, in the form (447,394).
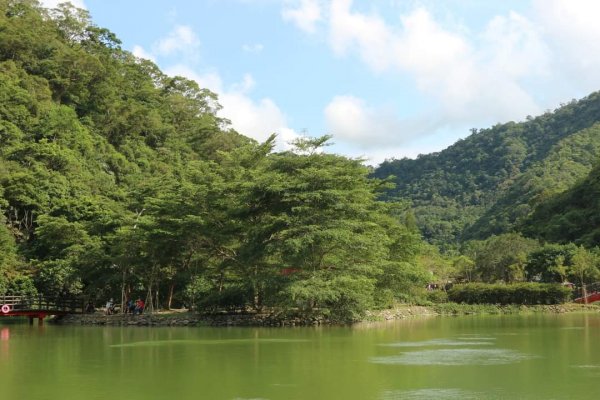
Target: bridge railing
(590,289)
(42,303)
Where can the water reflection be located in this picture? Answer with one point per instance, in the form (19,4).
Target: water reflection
(455,357)
(4,348)
(444,342)
(515,357)
(172,342)
(428,394)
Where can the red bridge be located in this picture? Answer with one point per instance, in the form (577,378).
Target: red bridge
(590,298)
(590,295)
(38,307)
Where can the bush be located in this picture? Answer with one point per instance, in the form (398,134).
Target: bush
(341,299)
(196,290)
(519,293)
(475,309)
(232,298)
(437,296)
(19,285)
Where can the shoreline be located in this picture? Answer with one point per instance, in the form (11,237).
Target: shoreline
(191,319)
(400,312)
(458,309)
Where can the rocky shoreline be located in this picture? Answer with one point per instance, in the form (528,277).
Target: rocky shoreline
(189,319)
(283,320)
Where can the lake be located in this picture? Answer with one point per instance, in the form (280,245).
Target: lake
(473,357)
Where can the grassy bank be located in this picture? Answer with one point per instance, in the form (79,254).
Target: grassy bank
(493,309)
(403,311)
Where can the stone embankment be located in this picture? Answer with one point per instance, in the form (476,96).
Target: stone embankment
(188,319)
(402,312)
(279,319)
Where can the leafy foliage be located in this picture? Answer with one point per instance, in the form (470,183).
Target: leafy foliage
(501,258)
(518,293)
(571,216)
(118,179)
(490,182)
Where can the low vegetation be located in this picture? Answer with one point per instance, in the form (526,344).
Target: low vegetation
(518,293)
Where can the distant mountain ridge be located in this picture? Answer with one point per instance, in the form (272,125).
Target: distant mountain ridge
(571,216)
(492,181)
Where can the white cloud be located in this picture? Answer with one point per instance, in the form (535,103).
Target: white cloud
(253,48)
(467,79)
(440,61)
(180,43)
(351,120)
(139,52)
(572,32)
(514,46)
(54,3)
(347,115)
(366,34)
(181,39)
(257,119)
(303,13)
(248,83)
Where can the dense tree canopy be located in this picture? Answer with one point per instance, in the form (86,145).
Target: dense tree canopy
(571,216)
(116,179)
(490,182)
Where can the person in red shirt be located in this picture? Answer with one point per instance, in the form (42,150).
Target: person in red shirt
(139,306)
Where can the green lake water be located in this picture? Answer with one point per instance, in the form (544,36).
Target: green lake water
(506,357)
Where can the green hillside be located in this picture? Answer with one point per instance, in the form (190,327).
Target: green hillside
(88,135)
(568,162)
(572,216)
(118,180)
(489,182)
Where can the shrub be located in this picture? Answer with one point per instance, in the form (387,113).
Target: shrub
(230,299)
(437,296)
(341,298)
(519,293)
(19,285)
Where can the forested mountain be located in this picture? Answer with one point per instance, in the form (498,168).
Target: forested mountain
(87,133)
(491,181)
(116,179)
(571,216)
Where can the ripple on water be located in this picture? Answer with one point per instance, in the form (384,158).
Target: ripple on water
(475,337)
(427,394)
(249,398)
(589,370)
(455,357)
(443,342)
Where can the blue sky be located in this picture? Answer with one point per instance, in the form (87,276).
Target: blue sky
(386,78)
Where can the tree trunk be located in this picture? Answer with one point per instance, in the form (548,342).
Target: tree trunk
(170,300)
(256,290)
(149,301)
(157,307)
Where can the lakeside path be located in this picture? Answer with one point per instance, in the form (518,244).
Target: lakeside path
(179,318)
